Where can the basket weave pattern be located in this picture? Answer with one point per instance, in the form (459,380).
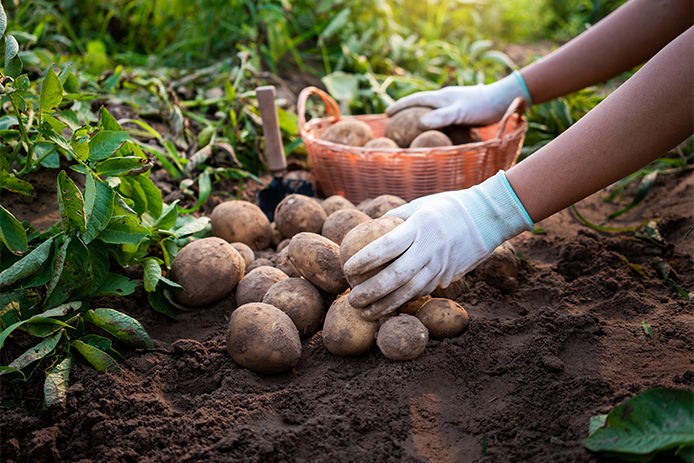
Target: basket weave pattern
(359,173)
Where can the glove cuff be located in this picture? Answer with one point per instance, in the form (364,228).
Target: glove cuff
(496,211)
(502,92)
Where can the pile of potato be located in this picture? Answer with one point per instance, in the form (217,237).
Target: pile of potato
(284,275)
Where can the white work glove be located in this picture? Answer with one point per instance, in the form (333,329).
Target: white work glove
(473,105)
(444,236)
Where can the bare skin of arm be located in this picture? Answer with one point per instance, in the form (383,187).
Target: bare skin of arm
(629,36)
(646,116)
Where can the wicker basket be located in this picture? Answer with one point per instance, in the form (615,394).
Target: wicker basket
(359,173)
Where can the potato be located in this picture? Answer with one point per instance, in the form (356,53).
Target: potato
(241,221)
(461,134)
(430,139)
(260,262)
(317,259)
(453,291)
(299,213)
(345,332)
(379,205)
(255,284)
(500,269)
(245,251)
(349,132)
(403,127)
(281,261)
(340,222)
(208,269)
(262,338)
(300,300)
(402,338)
(443,318)
(360,236)
(276,236)
(381,142)
(283,244)
(335,203)
(411,307)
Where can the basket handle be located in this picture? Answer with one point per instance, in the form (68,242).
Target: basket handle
(516,106)
(331,106)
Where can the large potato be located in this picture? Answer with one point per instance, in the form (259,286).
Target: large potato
(345,332)
(298,213)
(402,338)
(403,127)
(208,269)
(443,318)
(342,221)
(360,236)
(262,338)
(379,205)
(241,221)
(317,259)
(500,269)
(381,142)
(255,284)
(335,203)
(454,290)
(282,262)
(349,132)
(411,307)
(300,300)
(431,139)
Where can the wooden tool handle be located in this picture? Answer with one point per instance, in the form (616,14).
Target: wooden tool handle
(274,150)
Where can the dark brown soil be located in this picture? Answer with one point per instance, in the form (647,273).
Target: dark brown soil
(520,384)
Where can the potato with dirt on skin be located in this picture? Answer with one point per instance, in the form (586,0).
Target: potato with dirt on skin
(300,300)
(281,261)
(259,262)
(359,237)
(453,291)
(298,213)
(443,318)
(245,251)
(402,338)
(345,332)
(335,203)
(255,284)
(379,205)
(262,338)
(339,223)
(317,259)
(431,139)
(208,269)
(241,221)
(350,132)
(500,269)
(403,126)
(411,307)
(283,244)
(381,142)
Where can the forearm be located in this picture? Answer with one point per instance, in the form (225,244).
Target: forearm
(638,122)
(627,37)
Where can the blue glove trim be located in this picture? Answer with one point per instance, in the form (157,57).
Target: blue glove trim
(528,98)
(515,196)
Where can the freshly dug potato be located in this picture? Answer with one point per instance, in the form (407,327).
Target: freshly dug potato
(402,338)
(299,213)
(317,259)
(259,262)
(349,132)
(379,205)
(453,291)
(262,338)
(300,300)
(360,236)
(443,318)
(461,134)
(255,284)
(276,235)
(241,221)
(245,251)
(381,142)
(340,222)
(345,332)
(411,307)
(335,203)
(283,244)
(500,269)
(403,127)
(430,139)
(282,262)
(208,269)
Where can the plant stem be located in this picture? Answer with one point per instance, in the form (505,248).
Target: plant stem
(30,146)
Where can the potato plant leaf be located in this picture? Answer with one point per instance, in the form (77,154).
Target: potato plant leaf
(36,352)
(103,343)
(152,273)
(55,385)
(7,331)
(656,420)
(27,265)
(70,204)
(158,302)
(124,230)
(3,20)
(120,325)
(12,232)
(104,143)
(119,165)
(16,185)
(98,205)
(99,359)
(75,272)
(115,285)
(13,63)
(51,91)
(107,121)
(152,194)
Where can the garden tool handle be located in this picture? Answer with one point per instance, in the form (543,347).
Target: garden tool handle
(274,151)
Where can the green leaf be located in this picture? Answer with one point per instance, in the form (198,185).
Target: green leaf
(596,422)
(42,330)
(70,204)
(124,229)
(12,233)
(158,302)
(55,386)
(130,188)
(105,143)
(104,344)
(644,188)
(152,273)
(647,328)
(3,20)
(656,420)
(191,226)
(336,24)
(13,63)
(17,305)
(7,331)
(98,204)
(74,272)
(167,219)
(16,185)
(107,121)
(115,285)
(99,359)
(120,165)
(343,87)
(27,265)
(51,91)
(37,352)
(120,325)
(155,204)
(204,190)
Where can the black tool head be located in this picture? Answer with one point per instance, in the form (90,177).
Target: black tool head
(268,198)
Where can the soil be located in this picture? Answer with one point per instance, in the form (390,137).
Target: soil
(520,384)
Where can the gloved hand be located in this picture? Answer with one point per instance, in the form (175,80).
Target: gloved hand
(444,236)
(469,105)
